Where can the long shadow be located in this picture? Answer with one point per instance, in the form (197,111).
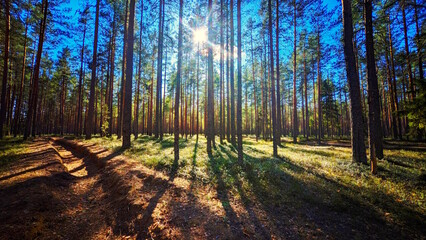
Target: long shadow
(28,170)
(273,186)
(147,216)
(194,163)
(222,194)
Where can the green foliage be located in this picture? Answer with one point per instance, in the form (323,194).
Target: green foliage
(417,110)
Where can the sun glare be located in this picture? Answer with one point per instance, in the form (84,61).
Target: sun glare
(200,35)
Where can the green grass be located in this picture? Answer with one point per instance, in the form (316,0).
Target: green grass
(303,176)
(11,149)
(400,174)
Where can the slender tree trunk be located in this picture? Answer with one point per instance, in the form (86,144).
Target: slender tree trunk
(32,102)
(294,75)
(137,98)
(123,75)
(198,85)
(127,107)
(228,112)
(306,92)
(239,85)
(158,104)
(112,74)
(5,66)
(232,119)
(357,131)
(412,94)
(221,110)
(21,86)
(319,83)
(374,127)
(90,123)
(80,87)
(419,41)
(398,119)
(210,97)
(271,64)
(178,78)
(277,40)
(256,117)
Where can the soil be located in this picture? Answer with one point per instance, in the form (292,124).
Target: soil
(63,189)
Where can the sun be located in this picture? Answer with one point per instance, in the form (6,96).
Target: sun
(200,35)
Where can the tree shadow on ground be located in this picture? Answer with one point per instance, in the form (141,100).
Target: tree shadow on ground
(325,204)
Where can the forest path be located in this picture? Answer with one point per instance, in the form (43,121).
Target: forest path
(67,190)
(64,189)
(51,193)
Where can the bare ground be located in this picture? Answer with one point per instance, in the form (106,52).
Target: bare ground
(66,190)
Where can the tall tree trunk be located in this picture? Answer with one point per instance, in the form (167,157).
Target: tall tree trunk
(210,97)
(32,102)
(256,117)
(419,41)
(178,78)
(412,94)
(394,121)
(395,92)
(239,85)
(222,108)
(319,83)
(80,87)
(232,119)
(357,131)
(5,67)
(112,74)
(127,107)
(90,119)
(21,86)
(306,91)
(198,84)
(123,75)
(271,64)
(137,99)
(158,100)
(294,122)
(228,112)
(374,125)
(277,40)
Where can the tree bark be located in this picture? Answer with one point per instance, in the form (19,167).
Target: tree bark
(178,78)
(374,122)
(127,107)
(158,102)
(294,122)
(239,85)
(32,104)
(210,85)
(90,119)
(5,67)
(232,119)
(357,131)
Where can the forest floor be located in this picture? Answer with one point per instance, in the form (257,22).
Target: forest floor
(53,188)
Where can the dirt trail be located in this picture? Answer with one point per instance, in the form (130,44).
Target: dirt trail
(66,190)
(50,193)
(63,189)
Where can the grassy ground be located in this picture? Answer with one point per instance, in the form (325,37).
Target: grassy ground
(310,188)
(10,150)
(303,176)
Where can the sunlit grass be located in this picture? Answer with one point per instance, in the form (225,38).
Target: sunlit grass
(11,149)
(303,174)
